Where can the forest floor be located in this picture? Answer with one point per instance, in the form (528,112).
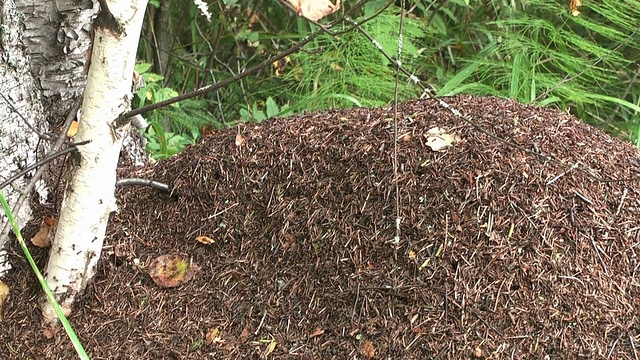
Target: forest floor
(502,253)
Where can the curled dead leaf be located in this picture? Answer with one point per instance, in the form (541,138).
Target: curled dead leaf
(171,270)
(438,139)
(269,349)
(574,4)
(240,140)
(73,129)
(316,332)
(245,332)
(213,336)
(477,352)
(44,236)
(47,333)
(315,10)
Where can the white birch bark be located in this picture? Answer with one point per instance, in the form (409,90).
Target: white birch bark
(17,141)
(42,56)
(89,195)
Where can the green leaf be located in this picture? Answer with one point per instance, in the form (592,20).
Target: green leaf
(77,345)
(271,107)
(614,100)
(451,85)
(142,68)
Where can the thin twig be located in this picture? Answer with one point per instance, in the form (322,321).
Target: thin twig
(47,159)
(26,122)
(633,346)
(122,119)
(595,247)
(143,182)
(25,192)
(398,63)
(264,315)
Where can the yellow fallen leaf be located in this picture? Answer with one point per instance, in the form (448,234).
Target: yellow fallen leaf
(4,293)
(205,240)
(73,129)
(269,349)
(438,139)
(213,336)
(574,4)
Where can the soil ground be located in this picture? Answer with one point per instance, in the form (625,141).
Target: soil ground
(502,253)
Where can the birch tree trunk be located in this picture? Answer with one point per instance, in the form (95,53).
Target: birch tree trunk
(89,195)
(42,54)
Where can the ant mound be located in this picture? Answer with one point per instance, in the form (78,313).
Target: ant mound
(526,251)
(518,238)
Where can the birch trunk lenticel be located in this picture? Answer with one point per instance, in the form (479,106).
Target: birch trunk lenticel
(89,193)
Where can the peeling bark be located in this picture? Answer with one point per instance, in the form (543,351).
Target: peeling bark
(58,37)
(89,196)
(42,58)
(18,143)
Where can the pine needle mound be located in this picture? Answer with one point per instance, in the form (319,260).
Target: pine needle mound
(502,253)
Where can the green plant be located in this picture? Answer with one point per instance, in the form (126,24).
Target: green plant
(77,345)
(263,110)
(534,51)
(537,52)
(174,127)
(350,70)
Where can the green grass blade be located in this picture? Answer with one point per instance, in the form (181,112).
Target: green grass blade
(65,323)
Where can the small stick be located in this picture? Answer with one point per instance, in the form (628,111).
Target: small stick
(49,158)
(143,182)
(599,257)
(633,346)
(261,322)
(624,195)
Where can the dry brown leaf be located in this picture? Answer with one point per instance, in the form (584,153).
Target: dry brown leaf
(316,332)
(171,270)
(245,332)
(205,240)
(477,352)
(48,333)
(44,236)
(289,241)
(4,293)
(240,139)
(438,139)
(315,10)
(367,350)
(574,4)
(253,17)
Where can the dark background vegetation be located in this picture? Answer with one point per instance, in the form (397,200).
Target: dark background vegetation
(534,51)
